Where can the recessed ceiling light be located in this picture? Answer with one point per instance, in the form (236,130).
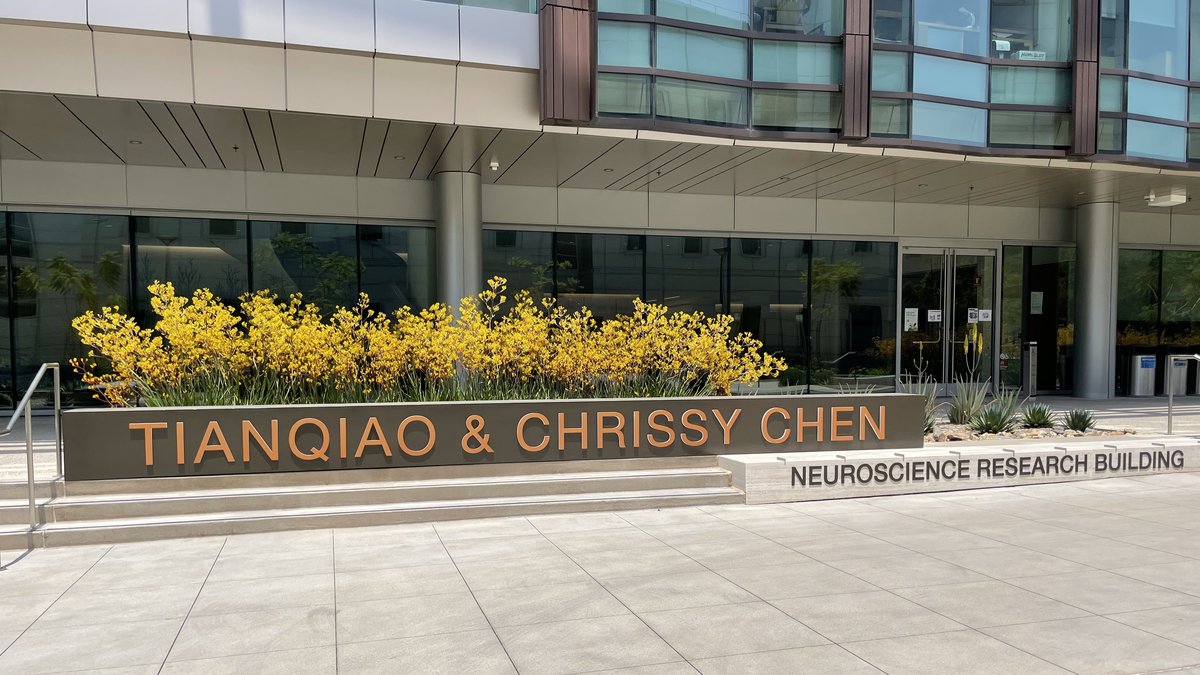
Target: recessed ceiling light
(608,171)
(135,142)
(399,158)
(922,184)
(1081,193)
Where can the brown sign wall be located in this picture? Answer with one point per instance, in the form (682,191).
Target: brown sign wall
(157,442)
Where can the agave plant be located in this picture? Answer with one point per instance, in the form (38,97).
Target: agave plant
(967,401)
(1079,420)
(1000,415)
(1037,416)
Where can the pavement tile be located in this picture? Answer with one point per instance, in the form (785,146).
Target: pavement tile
(216,635)
(577,522)
(989,603)
(944,539)
(469,652)
(111,574)
(637,562)
(676,591)
(310,661)
(795,581)
(1097,645)
(286,544)
(18,612)
(358,558)
(22,581)
(516,572)
(90,647)
(723,630)
(584,645)
(1181,576)
(873,615)
(824,659)
(1102,592)
(225,597)
(163,550)
(675,668)
(1009,562)
(398,582)
(484,527)
(844,547)
(554,602)
(727,554)
(1169,541)
(406,534)
(606,540)
(393,618)
(958,652)
(1181,624)
(80,606)
(670,516)
(268,562)
(500,548)
(1107,525)
(1106,554)
(904,571)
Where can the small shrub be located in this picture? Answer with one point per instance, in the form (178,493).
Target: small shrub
(967,401)
(1079,420)
(927,388)
(1037,416)
(1000,415)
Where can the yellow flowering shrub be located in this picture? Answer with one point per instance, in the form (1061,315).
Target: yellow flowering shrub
(267,350)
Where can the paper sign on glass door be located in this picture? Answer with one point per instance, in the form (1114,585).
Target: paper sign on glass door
(935,316)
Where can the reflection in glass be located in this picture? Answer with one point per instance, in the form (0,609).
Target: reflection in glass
(889,117)
(797,110)
(954,26)
(853,315)
(63,265)
(622,94)
(952,124)
(397,266)
(1038,306)
(316,259)
(192,254)
(893,21)
(701,102)
(690,51)
(1157,99)
(1036,30)
(1012,313)
(726,13)
(1112,93)
(797,62)
(1180,314)
(922,290)
(687,273)
(974,288)
(1110,134)
(1155,141)
(1022,129)
(600,271)
(950,78)
(623,43)
(889,71)
(1031,86)
(624,6)
(1194,105)
(807,17)
(523,257)
(1158,37)
(1140,273)
(769,298)
(1112,33)
(1193,145)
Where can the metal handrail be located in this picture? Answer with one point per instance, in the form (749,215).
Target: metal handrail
(1171,359)
(26,407)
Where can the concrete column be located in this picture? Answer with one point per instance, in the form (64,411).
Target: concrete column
(1096,300)
(459,235)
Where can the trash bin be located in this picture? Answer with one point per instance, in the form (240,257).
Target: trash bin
(1180,377)
(1141,374)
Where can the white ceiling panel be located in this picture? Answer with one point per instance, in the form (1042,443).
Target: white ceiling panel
(166,125)
(465,149)
(49,130)
(125,128)
(402,146)
(263,131)
(505,150)
(435,145)
(372,147)
(627,156)
(318,143)
(185,117)
(230,133)
(10,149)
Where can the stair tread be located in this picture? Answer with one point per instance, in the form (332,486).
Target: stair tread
(389,507)
(653,474)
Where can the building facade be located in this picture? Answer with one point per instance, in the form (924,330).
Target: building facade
(866,186)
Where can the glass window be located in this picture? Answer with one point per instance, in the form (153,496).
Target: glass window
(63,265)
(1029,129)
(1033,30)
(893,21)
(316,259)
(687,273)
(398,266)
(808,17)
(1031,86)
(624,6)
(622,94)
(889,117)
(523,257)
(1111,135)
(1158,37)
(1195,40)
(1112,33)
(622,43)
(1181,286)
(689,51)
(889,71)
(1155,141)
(769,298)
(853,316)
(527,6)
(1140,273)
(191,254)
(797,110)
(951,78)
(700,102)
(1194,105)
(799,62)
(726,13)
(1112,93)
(1193,145)
(952,124)
(960,26)
(602,272)
(1157,99)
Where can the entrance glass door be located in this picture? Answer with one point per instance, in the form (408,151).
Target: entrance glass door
(946,303)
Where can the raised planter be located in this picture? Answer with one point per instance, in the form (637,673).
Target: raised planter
(120,443)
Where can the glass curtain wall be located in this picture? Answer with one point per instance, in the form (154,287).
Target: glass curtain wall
(828,307)
(1038,305)
(59,265)
(1158,309)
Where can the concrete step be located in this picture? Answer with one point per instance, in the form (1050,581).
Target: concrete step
(268,520)
(185,502)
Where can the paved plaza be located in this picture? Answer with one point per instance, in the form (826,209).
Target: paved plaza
(1094,577)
